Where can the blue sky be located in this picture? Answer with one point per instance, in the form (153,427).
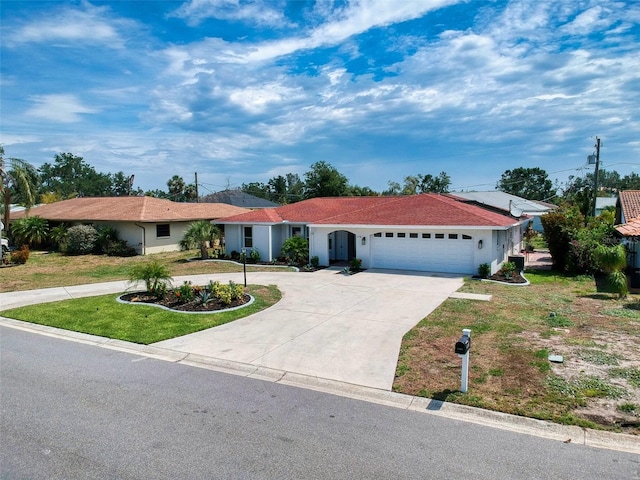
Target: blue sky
(241,91)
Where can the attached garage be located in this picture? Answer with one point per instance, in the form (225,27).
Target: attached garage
(446,252)
(427,232)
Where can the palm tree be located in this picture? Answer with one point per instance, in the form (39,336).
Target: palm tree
(16,177)
(198,235)
(32,231)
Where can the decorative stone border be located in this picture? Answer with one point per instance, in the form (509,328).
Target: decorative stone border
(251,300)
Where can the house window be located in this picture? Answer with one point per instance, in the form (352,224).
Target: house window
(377,234)
(163,230)
(467,237)
(426,235)
(388,234)
(402,235)
(248,237)
(296,231)
(413,235)
(439,235)
(453,236)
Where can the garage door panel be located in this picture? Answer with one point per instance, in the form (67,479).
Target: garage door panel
(431,254)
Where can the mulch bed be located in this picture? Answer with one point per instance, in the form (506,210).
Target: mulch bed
(174,303)
(500,277)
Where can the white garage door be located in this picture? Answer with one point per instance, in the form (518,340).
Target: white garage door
(432,252)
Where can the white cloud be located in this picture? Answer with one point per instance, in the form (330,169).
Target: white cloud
(64,108)
(269,13)
(72,27)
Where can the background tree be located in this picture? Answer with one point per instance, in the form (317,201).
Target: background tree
(70,176)
(18,183)
(324,180)
(257,189)
(529,183)
(415,184)
(179,191)
(357,191)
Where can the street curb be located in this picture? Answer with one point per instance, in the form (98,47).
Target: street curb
(503,421)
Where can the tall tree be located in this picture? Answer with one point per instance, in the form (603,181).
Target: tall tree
(70,176)
(324,180)
(529,183)
(18,180)
(179,191)
(414,184)
(257,189)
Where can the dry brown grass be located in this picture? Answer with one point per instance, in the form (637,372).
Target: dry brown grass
(512,337)
(44,270)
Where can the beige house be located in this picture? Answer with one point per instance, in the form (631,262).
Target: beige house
(148,224)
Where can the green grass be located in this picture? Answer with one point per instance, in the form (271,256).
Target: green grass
(105,317)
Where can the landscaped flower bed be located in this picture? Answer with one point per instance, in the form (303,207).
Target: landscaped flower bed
(194,298)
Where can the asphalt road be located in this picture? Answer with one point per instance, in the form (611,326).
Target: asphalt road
(70,410)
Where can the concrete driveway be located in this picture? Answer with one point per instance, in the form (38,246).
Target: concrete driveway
(327,325)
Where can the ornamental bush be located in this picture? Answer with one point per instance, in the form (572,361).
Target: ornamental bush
(80,240)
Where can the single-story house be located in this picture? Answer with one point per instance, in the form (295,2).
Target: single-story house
(511,204)
(628,224)
(426,232)
(148,224)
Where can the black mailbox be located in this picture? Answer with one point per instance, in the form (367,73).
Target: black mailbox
(463,345)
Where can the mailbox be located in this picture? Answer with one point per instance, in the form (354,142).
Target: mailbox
(463,345)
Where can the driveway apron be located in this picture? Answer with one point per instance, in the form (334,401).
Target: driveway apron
(328,325)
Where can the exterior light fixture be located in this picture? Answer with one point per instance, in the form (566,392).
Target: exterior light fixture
(479,244)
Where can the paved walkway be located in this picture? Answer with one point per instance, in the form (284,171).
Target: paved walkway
(327,325)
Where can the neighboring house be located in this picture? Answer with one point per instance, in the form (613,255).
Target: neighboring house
(427,232)
(510,204)
(148,224)
(239,198)
(628,224)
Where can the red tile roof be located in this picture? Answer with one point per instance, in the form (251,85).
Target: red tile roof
(425,209)
(129,209)
(630,229)
(630,203)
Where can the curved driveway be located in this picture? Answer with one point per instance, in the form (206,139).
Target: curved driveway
(327,325)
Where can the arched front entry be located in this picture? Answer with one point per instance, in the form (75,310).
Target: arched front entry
(342,246)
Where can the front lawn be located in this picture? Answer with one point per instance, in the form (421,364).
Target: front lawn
(105,317)
(597,385)
(44,270)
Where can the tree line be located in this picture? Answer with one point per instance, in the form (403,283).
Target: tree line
(71,176)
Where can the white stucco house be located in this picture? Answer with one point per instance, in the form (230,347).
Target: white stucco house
(427,232)
(148,224)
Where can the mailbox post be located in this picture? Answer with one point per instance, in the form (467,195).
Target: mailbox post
(463,345)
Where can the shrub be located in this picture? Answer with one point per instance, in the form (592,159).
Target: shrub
(21,256)
(120,249)
(81,239)
(226,293)
(355,264)
(315,261)
(155,276)
(297,248)
(484,270)
(105,237)
(30,231)
(255,255)
(508,268)
(185,292)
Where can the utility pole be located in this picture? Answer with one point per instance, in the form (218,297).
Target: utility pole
(595,176)
(197,196)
